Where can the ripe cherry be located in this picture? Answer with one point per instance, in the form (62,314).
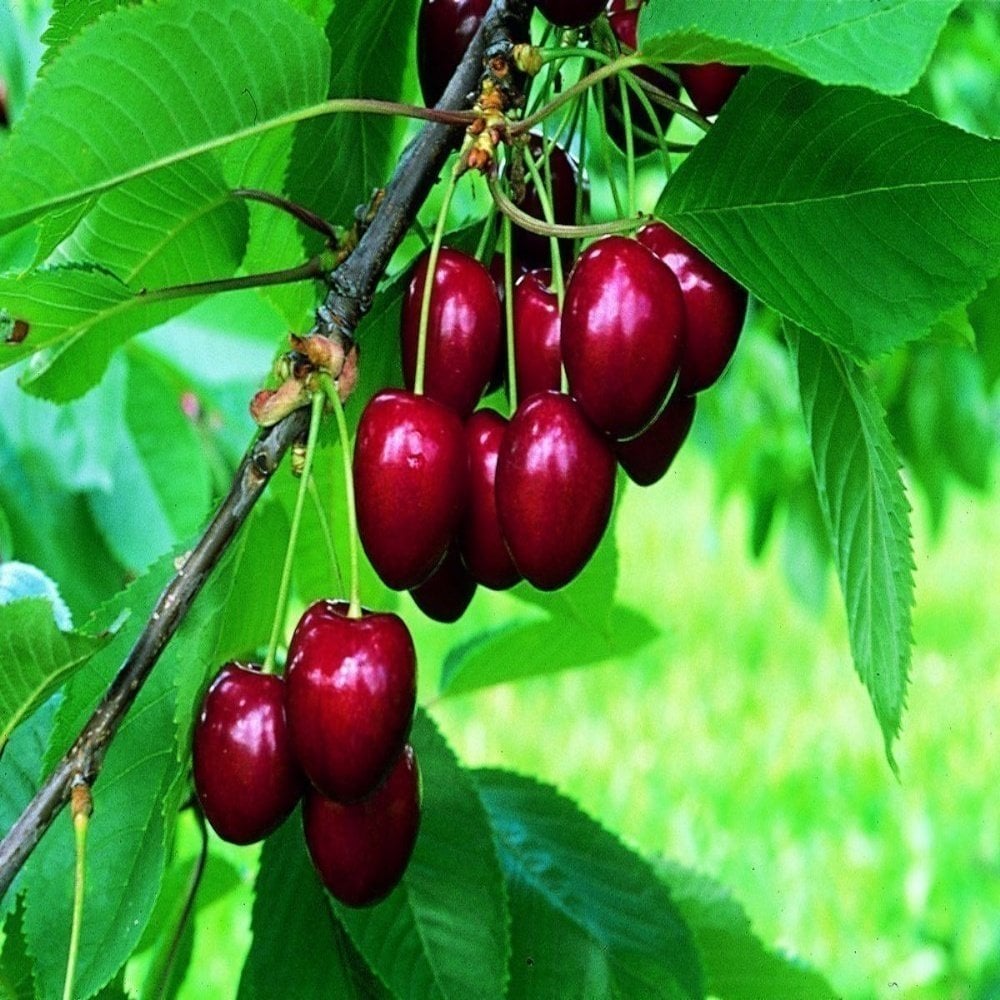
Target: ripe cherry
(555,488)
(570,13)
(464,329)
(410,478)
(647,458)
(447,593)
(715,307)
(245,774)
(351,689)
(532,248)
(710,85)
(483,547)
(361,850)
(537,359)
(622,334)
(444,30)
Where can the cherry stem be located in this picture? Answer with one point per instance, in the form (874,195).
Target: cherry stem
(546,202)
(307,218)
(508,305)
(609,170)
(315,417)
(488,237)
(629,145)
(82,806)
(354,610)
(324,528)
(315,267)
(425,302)
(583,124)
(533,225)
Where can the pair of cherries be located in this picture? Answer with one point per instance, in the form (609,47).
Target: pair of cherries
(332,731)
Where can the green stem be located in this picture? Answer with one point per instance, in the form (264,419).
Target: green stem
(629,145)
(307,218)
(316,267)
(324,528)
(425,303)
(293,534)
(354,611)
(583,125)
(609,170)
(81,822)
(508,304)
(488,237)
(418,228)
(545,201)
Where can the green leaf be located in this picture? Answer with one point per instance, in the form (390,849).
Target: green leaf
(160,104)
(37,658)
(15,966)
(737,965)
(443,932)
(518,650)
(984,316)
(881,44)
(868,517)
(585,910)
(855,215)
(338,162)
(19,580)
(69,18)
(297,948)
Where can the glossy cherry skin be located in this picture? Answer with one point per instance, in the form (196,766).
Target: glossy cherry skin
(483,548)
(710,84)
(245,773)
(555,489)
(464,329)
(444,30)
(361,850)
(447,593)
(410,479)
(715,307)
(570,13)
(647,457)
(537,359)
(622,334)
(351,686)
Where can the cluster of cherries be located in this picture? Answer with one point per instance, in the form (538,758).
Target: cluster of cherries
(332,731)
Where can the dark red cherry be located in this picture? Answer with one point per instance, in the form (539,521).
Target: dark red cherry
(710,85)
(483,547)
(245,774)
(715,307)
(447,593)
(410,478)
(444,30)
(622,334)
(537,359)
(532,248)
(351,686)
(624,23)
(555,489)
(361,850)
(570,13)
(647,457)
(464,330)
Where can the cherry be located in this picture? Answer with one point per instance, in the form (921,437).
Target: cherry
(351,689)
(448,591)
(532,248)
(483,547)
(555,484)
(245,774)
(410,478)
(361,850)
(537,360)
(710,85)
(464,329)
(622,334)
(647,457)
(715,307)
(570,13)
(624,23)
(444,30)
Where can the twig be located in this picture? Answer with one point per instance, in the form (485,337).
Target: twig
(352,287)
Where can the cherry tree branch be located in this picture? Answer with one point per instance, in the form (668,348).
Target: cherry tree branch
(352,287)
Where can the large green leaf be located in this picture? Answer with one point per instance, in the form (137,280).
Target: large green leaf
(585,910)
(882,44)
(443,932)
(297,948)
(15,965)
(857,216)
(868,517)
(737,964)
(35,659)
(69,18)
(165,82)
